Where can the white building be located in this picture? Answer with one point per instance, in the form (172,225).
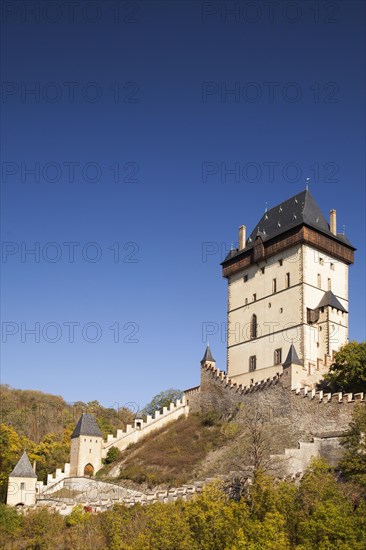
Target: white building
(287,284)
(22,483)
(86,447)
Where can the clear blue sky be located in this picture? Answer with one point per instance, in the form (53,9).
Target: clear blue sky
(172,95)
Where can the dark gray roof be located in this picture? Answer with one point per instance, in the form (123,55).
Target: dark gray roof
(23,468)
(208,355)
(87,425)
(329,299)
(301,209)
(292,357)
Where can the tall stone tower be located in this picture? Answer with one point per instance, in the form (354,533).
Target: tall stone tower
(22,483)
(86,447)
(287,294)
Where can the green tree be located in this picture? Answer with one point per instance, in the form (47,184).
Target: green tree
(348,372)
(215,520)
(353,462)
(51,453)
(43,530)
(10,526)
(113,455)
(162,399)
(11,448)
(326,515)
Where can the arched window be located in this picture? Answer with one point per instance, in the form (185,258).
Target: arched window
(253,326)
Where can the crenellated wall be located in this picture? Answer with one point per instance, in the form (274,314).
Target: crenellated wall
(132,434)
(53,480)
(142,428)
(302,413)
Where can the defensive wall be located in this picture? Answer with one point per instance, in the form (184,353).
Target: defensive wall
(301,415)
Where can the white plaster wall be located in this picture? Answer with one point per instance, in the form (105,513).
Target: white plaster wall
(16,495)
(85,450)
(276,312)
(328,267)
(327,335)
(248,378)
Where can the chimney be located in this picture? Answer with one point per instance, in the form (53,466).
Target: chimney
(333,222)
(242,236)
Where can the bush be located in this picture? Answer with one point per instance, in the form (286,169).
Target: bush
(113,455)
(210,418)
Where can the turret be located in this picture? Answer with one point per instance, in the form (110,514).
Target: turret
(207,359)
(86,447)
(22,483)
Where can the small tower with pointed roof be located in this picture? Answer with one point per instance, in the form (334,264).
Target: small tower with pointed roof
(292,369)
(22,483)
(207,360)
(86,447)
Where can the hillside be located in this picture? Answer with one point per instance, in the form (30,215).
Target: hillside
(193,448)
(42,423)
(34,414)
(172,455)
(187,449)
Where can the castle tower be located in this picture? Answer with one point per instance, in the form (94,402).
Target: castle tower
(287,284)
(22,483)
(207,360)
(86,447)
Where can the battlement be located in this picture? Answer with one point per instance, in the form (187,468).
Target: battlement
(141,428)
(101,496)
(223,378)
(304,391)
(192,391)
(324,397)
(54,479)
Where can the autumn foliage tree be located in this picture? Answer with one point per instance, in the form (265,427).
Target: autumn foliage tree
(348,372)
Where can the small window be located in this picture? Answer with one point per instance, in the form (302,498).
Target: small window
(332,267)
(253,326)
(252,363)
(329,283)
(280,262)
(281,309)
(274,286)
(89,450)
(254,297)
(263,270)
(278,356)
(269,305)
(84,440)
(319,281)
(245,278)
(321,261)
(246,301)
(96,441)
(288,280)
(90,441)
(22,486)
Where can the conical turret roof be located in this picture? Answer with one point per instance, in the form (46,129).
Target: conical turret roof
(23,468)
(329,299)
(87,425)
(292,357)
(208,355)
